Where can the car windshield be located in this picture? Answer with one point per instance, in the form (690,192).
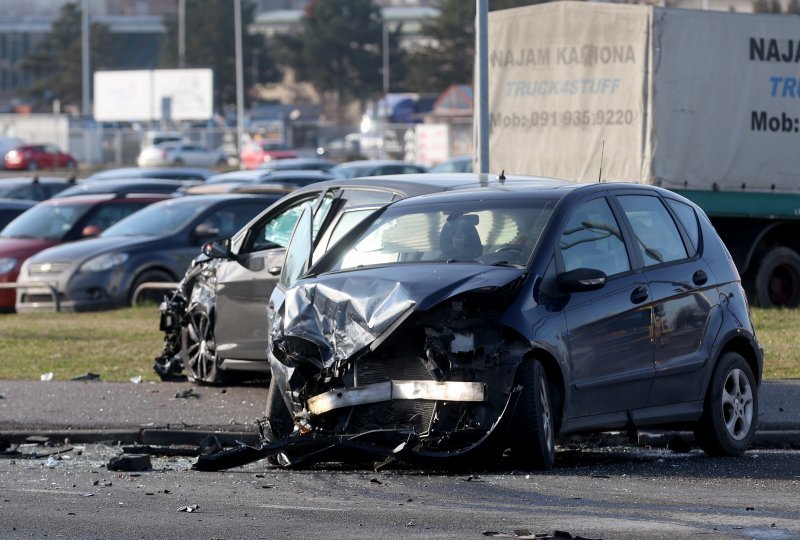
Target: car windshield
(6,190)
(157,219)
(492,232)
(50,222)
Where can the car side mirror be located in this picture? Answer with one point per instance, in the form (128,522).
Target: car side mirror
(582,280)
(91,231)
(204,230)
(217,249)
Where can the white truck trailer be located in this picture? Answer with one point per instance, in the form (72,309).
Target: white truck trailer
(703,103)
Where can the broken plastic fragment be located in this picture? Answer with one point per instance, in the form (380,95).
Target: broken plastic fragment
(191,508)
(136,380)
(189,392)
(46,376)
(130,462)
(86,377)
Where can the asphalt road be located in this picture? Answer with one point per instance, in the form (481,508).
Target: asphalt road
(596,490)
(611,493)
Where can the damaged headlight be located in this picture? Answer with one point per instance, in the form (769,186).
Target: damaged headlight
(104,262)
(7,264)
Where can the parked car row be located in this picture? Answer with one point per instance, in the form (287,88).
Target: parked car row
(85,209)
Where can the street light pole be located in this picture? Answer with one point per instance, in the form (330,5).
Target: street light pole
(385,58)
(181,33)
(85,71)
(237,15)
(482,81)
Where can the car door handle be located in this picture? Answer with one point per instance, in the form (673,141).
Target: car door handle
(699,278)
(639,294)
(275,270)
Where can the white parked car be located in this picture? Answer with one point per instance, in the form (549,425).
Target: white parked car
(180,153)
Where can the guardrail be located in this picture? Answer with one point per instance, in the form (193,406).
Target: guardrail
(50,288)
(156,285)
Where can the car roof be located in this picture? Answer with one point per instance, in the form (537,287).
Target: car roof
(126,186)
(104,198)
(248,175)
(152,172)
(25,180)
(376,162)
(413,184)
(215,198)
(8,204)
(291,162)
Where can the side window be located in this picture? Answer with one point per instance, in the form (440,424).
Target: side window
(688,219)
(277,231)
(108,214)
(592,239)
(322,213)
(366,196)
(347,222)
(654,230)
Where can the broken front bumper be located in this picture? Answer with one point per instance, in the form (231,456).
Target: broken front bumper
(396,390)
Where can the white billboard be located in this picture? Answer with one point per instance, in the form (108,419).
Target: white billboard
(153,94)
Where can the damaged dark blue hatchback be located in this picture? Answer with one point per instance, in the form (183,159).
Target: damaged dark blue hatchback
(504,317)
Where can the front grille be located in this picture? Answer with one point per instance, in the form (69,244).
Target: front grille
(375,370)
(402,414)
(47,269)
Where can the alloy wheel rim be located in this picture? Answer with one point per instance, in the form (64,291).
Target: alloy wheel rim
(737,404)
(547,423)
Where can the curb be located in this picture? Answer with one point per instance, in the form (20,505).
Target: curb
(771,439)
(143,436)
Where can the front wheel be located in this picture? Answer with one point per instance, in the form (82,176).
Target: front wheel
(730,412)
(199,349)
(532,438)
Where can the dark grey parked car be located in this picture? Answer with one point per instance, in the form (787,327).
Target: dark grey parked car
(215,323)
(156,244)
(455,325)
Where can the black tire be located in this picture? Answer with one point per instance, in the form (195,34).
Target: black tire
(199,350)
(280,421)
(532,437)
(149,296)
(730,412)
(777,280)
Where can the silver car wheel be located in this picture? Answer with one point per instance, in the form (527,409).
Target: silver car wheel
(737,404)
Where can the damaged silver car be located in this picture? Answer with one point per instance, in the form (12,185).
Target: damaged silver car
(493,321)
(214,322)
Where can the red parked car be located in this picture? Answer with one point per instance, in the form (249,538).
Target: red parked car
(255,154)
(39,156)
(56,221)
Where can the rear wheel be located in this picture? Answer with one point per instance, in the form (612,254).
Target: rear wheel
(730,412)
(532,438)
(199,349)
(777,281)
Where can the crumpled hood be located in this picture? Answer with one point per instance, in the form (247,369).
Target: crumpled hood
(344,312)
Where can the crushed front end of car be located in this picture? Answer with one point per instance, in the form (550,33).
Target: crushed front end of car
(371,367)
(197,286)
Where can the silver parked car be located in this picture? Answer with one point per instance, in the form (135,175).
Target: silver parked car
(215,322)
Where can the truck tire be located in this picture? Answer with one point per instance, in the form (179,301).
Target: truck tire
(777,280)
